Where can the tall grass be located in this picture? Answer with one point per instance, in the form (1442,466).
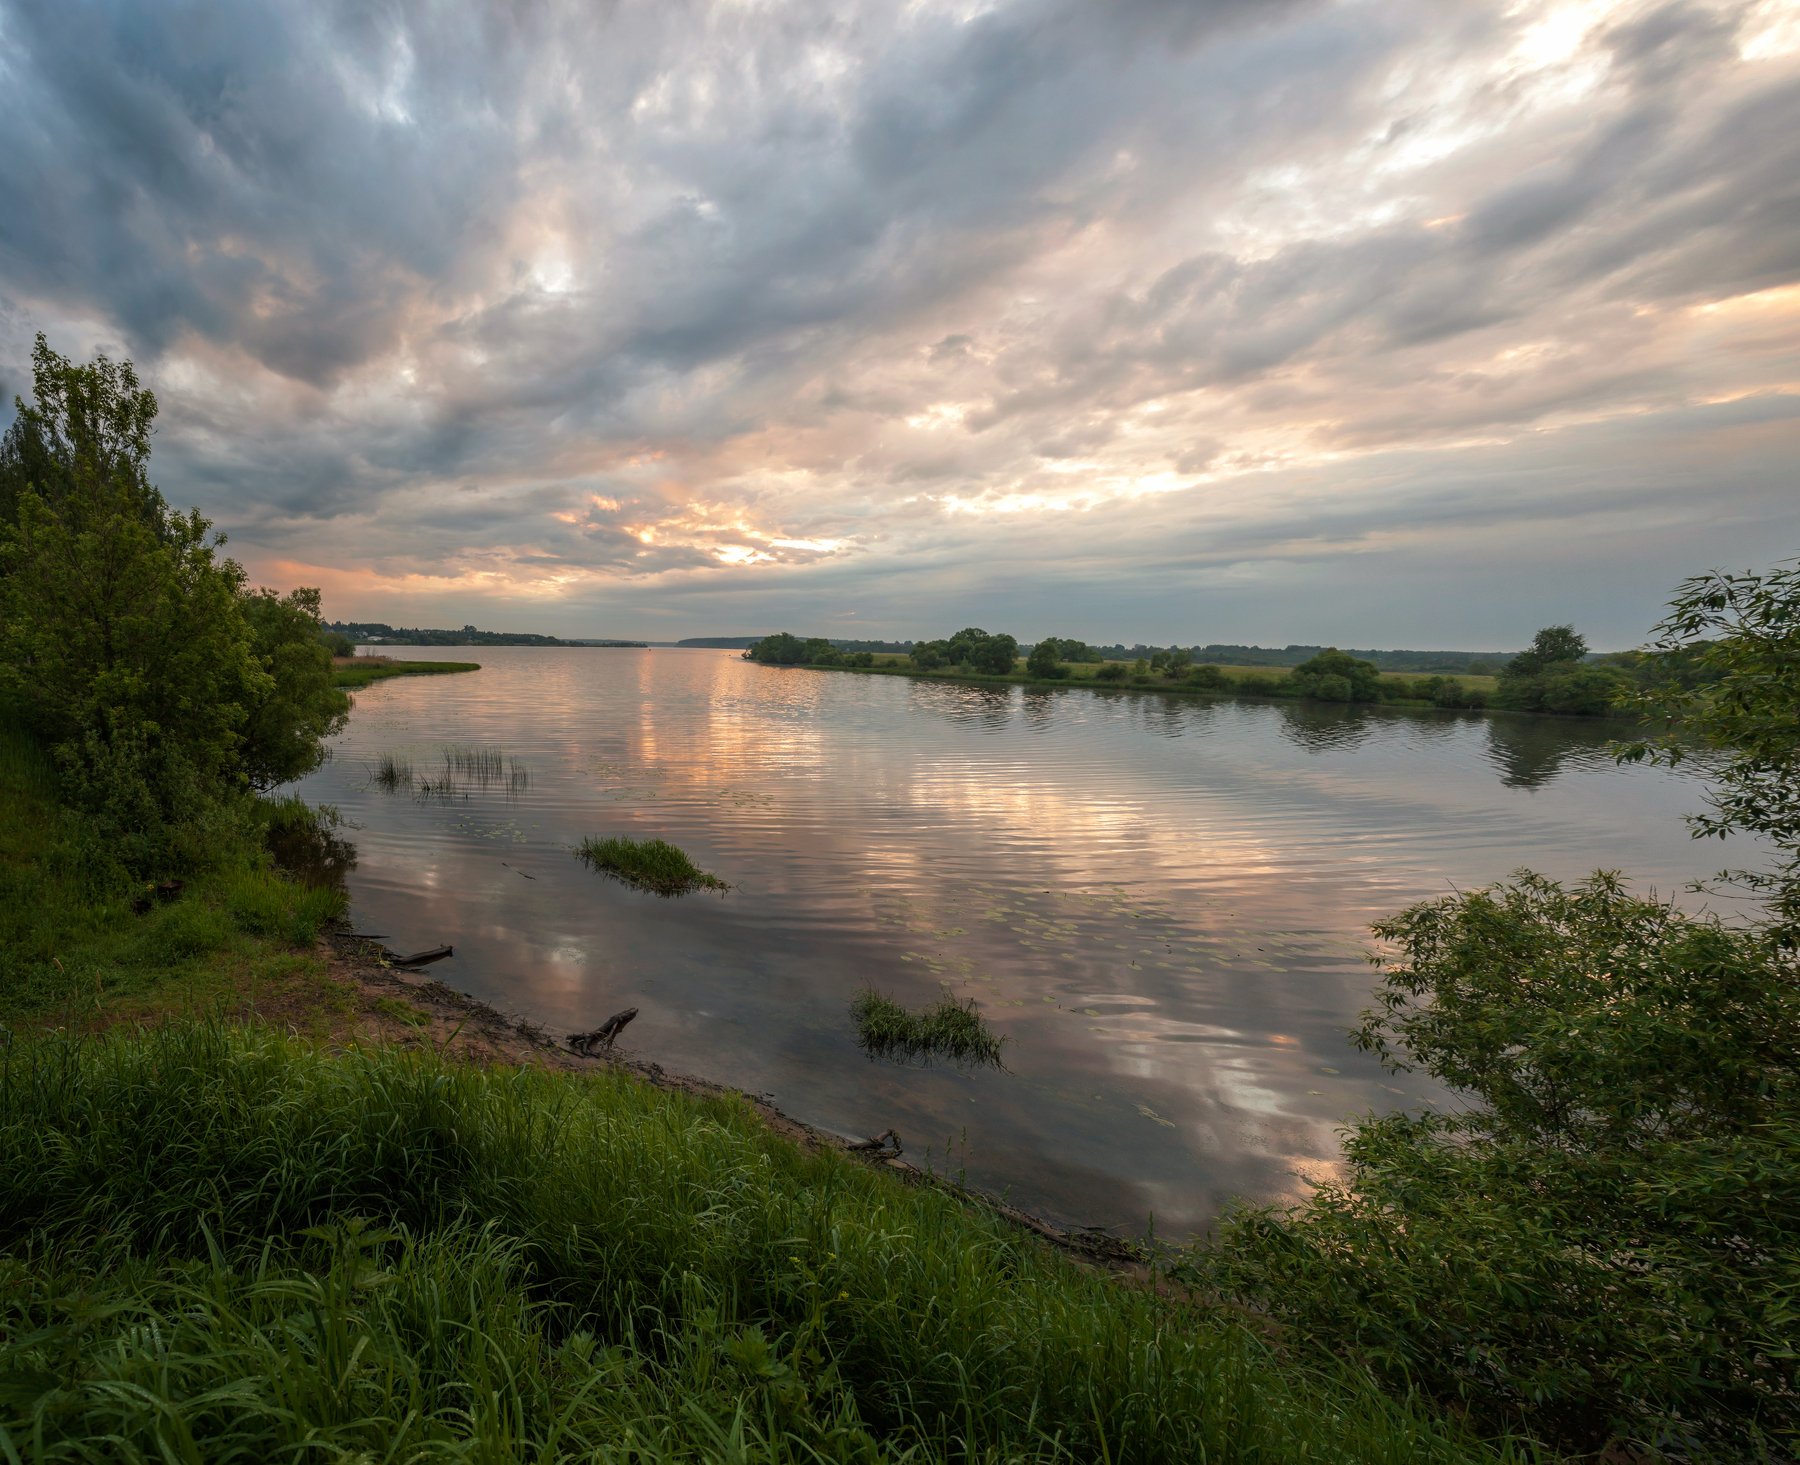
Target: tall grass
(951,1029)
(649,864)
(220,1244)
(70,942)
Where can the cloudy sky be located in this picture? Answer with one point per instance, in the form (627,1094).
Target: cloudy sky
(1378,322)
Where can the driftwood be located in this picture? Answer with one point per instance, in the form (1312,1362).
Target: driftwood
(878,1145)
(421,958)
(583,1043)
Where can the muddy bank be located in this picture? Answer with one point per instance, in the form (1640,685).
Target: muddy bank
(415,1009)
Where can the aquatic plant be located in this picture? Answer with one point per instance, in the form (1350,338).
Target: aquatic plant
(951,1029)
(392,772)
(649,864)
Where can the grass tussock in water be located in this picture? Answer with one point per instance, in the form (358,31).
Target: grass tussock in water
(224,1244)
(359,671)
(951,1029)
(649,864)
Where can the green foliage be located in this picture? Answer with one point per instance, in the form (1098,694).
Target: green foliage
(1447,692)
(1045,661)
(1334,676)
(1552,677)
(226,1245)
(1208,678)
(127,645)
(951,1029)
(337,643)
(649,864)
(1730,651)
(1112,671)
(79,931)
(1598,1242)
(300,705)
(375,669)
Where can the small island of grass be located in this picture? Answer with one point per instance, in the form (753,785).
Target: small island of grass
(359,671)
(649,864)
(951,1029)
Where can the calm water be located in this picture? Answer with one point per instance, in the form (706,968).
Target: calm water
(1161,902)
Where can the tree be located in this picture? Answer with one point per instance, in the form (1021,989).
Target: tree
(127,644)
(1336,676)
(1730,649)
(287,721)
(1550,677)
(122,641)
(1045,661)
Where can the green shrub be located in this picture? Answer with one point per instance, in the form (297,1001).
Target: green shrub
(1597,1242)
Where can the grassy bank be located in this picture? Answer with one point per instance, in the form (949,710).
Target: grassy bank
(82,942)
(219,1242)
(225,1244)
(359,671)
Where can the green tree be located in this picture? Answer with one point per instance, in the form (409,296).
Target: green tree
(288,718)
(1730,653)
(122,640)
(1550,677)
(1336,676)
(1595,1243)
(1045,660)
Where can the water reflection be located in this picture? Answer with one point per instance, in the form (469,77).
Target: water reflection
(1320,727)
(1160,901)
(1528,752)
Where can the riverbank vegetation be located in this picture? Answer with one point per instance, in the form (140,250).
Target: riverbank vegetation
(949,1029)
(218,1240)
(359,671)
(1557,674)
(1599,1241)
(225,1244)
(649,864)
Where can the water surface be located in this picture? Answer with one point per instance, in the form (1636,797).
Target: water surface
(1162,902)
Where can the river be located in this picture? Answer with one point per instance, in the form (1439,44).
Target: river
(1161,902)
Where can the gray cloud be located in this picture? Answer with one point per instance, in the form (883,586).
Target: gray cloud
(1051,307)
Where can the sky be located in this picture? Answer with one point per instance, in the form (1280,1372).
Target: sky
(1380,323)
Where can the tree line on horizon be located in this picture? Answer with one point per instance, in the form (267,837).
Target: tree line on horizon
(1557,673)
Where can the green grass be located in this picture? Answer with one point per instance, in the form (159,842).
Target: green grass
(71,948)
(649,864)
(951,1029)
(366,669)
(219,1244)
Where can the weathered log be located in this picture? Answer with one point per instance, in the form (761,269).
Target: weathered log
(583,1043)
(421,958)
(878,1144)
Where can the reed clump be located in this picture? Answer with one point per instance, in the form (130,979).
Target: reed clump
(649,864)
(950,1029)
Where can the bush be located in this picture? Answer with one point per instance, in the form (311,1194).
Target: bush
(1208,678)
(1597,1243)
(1112,671)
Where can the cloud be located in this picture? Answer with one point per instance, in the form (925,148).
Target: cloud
(1169,317)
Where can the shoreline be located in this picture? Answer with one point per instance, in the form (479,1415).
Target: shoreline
(1177,689)
(491,1037)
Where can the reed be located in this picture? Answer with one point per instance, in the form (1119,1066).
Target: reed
(951,1029)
